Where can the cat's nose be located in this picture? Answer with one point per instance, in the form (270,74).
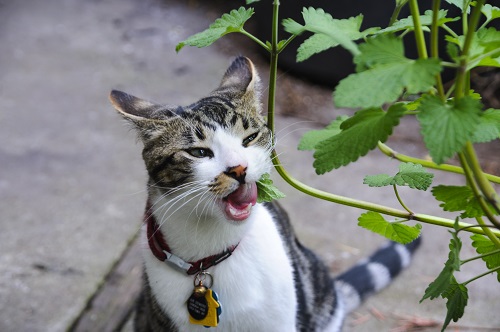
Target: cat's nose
(237,172)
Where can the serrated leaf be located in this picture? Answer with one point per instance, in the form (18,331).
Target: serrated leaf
(414,176)
(459,198)
(390,71)
(489,126)
(483,246)
(328,32)
(266,191)
(444,280)
(457,295)
(398,232)
(425,20)
(491,12)
(360,134)
(447,126)
(379,180)
(232,22)
(439,285)
(313,137)
(411,175)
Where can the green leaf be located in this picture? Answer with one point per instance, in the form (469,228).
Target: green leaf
(447,126)
(313,137)
(489,127)
(360,134)
(462,4)
(232,22)
(411,175)
(457,295)
(483,246)
(398,232)
(389,70)
(249,2)
(266,191)
(439,285)
(444,280)
(425,20)
(459,198)
(491,12)
(328,32)
(485,41)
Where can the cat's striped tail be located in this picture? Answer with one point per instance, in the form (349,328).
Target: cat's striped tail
(374,273)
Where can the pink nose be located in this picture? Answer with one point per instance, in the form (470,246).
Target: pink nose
(237,172)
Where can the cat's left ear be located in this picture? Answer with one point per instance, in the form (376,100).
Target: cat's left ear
(241,80)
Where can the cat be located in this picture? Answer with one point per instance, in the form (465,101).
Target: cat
(203,226)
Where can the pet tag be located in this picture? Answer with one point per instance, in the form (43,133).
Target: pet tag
(203,305)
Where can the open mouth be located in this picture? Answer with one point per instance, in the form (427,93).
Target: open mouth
(237,206)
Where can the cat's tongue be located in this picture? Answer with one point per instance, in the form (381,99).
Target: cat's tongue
(240,202)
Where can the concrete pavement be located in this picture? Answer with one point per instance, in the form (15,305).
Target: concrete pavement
(71,175)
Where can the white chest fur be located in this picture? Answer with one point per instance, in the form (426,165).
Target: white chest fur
(255,285)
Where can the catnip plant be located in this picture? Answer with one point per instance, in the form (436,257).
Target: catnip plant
(387,86)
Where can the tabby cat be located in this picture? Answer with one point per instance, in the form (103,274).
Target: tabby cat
(215,257)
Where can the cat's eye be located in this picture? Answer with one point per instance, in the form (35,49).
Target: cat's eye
(250,139)
(200,152)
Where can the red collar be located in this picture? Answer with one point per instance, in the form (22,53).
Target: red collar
(162,251)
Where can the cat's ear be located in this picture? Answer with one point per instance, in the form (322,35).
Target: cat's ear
(144,115)
(241,79)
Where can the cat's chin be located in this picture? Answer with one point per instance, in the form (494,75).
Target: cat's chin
(237,206)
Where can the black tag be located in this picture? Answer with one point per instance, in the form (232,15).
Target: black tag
(197,307)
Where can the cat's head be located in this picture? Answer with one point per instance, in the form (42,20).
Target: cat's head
(214,150)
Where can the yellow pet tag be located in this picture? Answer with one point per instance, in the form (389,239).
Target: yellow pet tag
(203,305)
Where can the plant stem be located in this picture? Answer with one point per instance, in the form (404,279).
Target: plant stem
(483,183)
(494,252)
(477,194)
(329,196)
(434,44)
(273,69)
(469,36)
(255,39)
(419,33)
(285,44)
(482,275)
(367,205)
(428,164)
(488,233)
(395,14)
(401,201)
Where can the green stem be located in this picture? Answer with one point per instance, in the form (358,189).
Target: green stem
(494,252)
(255,39)
(367,205)
(288,41)
(401,201)
(419,33)
(488,233)
(395,14)
(482,275)
(273,69)
(428,164)
(483,183)
(449,30)
(473,185)
(435,45)
(460,80)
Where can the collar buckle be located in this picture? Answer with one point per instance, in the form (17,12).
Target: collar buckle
(176,261)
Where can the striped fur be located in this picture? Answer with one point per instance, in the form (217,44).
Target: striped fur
(203,206)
